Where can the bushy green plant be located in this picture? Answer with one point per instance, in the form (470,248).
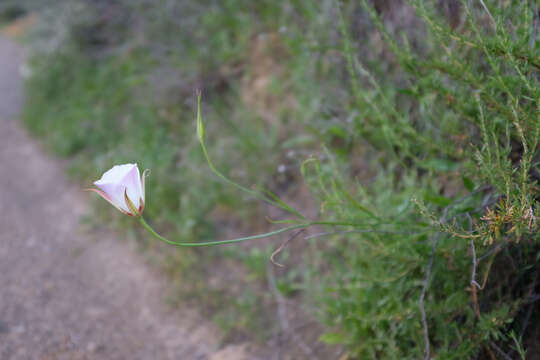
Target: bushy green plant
(459,126)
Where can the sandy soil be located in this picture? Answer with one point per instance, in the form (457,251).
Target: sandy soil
(65,294)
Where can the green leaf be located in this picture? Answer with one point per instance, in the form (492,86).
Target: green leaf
(332,338)
(469,184)
(337,131)
(439,165)
(436,199)
(298,141)
(200,124)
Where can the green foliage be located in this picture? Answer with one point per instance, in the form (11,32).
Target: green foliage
(417,136)
(464,107)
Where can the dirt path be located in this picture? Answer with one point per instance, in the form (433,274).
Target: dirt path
(68,295)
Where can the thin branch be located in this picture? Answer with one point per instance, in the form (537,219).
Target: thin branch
(423,294)
(475,263)
(473,250)
(498,349)
(498,247)
(489,13)
(282,246)
(430,265)
(474,285)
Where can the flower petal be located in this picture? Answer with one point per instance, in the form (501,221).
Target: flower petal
(133,186)
(115,174)
(115,192)
(106,197)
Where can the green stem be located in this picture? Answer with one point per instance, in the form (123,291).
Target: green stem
(253,237)
(226,179)
(261,196)
(222,242)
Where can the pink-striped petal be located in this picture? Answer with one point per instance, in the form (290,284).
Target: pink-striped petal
(133,186)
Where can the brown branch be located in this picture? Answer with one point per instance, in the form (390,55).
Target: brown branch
(282,246)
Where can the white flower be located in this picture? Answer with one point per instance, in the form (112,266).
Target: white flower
(123,187)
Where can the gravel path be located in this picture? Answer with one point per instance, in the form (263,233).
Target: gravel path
(69,295)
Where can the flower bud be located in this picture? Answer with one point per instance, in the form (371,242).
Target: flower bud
(123,187)
(200,124)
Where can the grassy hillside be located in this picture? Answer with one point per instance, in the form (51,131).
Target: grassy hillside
(409,130)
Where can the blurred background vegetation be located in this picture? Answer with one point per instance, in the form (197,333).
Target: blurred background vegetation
(414,123)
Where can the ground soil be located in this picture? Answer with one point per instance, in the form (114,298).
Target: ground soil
(70,294)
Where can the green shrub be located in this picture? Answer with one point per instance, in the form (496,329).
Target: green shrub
(458,127)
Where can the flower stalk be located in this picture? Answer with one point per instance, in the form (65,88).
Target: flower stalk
(220,242)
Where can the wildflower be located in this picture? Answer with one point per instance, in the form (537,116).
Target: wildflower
(123,187)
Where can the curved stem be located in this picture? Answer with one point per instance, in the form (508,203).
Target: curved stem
(200,135)
(221,242)
(263,196)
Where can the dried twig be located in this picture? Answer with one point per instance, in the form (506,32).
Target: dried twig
(475,264)
(473,250)
(474,285)
(430,265)
(474,296)
(282,246)
(423,294)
